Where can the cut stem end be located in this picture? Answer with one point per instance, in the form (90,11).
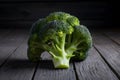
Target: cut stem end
(61,62)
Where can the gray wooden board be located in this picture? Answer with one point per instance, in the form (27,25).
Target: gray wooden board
(17,66)
(4,33)
(109,51)
(46,71)
(115,36)
(13,38)
(10,43)
(94,68)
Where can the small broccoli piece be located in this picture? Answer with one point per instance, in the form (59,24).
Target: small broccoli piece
(61,35)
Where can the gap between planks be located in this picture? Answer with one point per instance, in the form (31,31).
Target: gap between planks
(94,68)
(109,50)
(9,42)
(17,67)
(46,70)
(114,36)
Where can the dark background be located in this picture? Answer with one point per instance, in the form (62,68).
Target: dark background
(23,13)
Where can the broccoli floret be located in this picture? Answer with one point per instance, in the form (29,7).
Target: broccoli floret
(82,41)
(61,35)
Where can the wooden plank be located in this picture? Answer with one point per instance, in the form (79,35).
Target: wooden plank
(16,36)
(4,33)
(46,71)
(94,68)
(109,50)
(18,67)
(10,43)
(114,35)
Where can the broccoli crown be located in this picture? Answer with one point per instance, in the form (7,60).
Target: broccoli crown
(62,36)
(65,17)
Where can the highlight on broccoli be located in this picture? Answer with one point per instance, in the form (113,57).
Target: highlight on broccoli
(62,36)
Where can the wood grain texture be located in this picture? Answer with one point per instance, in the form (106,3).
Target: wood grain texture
(102,63)
(46,71)
(18,67)
(109,50)
(10,42)
(94,68)
(114,35)
(4,33)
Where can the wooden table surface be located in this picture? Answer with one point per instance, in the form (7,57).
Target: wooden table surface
(102,63)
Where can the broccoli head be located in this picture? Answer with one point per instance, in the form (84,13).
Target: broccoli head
(62,36)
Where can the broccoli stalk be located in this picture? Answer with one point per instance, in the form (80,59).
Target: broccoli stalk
(61,35)
(60,57)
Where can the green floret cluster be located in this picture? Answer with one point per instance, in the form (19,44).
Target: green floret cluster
(62,36)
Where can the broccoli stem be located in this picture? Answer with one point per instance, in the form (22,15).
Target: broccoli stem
(63,42)
(61,62)
(60,57)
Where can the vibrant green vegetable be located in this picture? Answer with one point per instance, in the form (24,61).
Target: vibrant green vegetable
(61,35)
